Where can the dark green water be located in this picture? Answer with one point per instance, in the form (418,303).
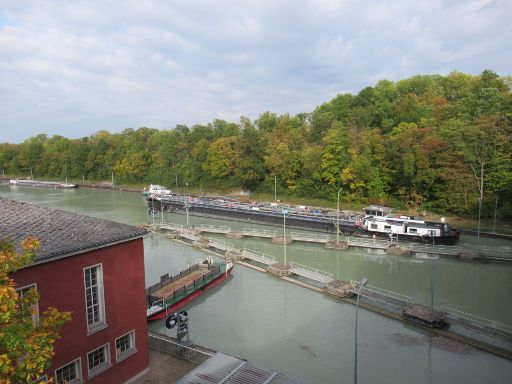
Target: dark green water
(283,327)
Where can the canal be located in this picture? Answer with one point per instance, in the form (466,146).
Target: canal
(304,334)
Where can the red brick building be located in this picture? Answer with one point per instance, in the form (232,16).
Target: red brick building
(95,269)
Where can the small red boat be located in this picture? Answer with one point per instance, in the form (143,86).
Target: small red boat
(173,292)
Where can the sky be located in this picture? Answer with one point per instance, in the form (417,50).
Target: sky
(72,68)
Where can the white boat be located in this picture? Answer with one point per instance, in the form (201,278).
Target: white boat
(156,190)
(379,221)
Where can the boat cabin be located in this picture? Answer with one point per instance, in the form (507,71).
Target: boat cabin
(404,226)
(377,210)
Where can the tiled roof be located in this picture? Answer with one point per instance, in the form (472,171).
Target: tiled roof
(61,233)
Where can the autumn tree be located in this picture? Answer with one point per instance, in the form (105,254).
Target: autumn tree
(26,338)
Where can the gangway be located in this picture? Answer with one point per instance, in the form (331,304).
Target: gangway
(171,226)
(253,232)
(260,257)
(445,250)
(190,235)
(310,237)
(478,324)
(214,229)
(311,273)
(365,242)
(219,244)
(382,297)
(497,253)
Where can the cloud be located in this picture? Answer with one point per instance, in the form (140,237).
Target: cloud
(73,68)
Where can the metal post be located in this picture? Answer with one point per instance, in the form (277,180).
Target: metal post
(112,179)
(177,184)
(285,211)
(432,283)
(275,189)
(478,232)
(338,218)
(495,209)
(363,282)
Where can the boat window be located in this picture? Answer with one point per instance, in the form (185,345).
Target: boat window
(374,226)
(413,230)
(387,227)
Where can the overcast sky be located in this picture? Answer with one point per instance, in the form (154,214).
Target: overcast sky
(72,68)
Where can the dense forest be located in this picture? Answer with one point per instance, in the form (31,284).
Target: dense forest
(433,142)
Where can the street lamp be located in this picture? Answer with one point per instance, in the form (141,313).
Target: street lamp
(362,283)
(432,283)
(338,218)
(285,212)
(478,232)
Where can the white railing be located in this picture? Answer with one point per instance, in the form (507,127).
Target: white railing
(504,253)
(215,229)
(477,319)
(381,294)
(259,256)
(312,273)
(259,232)
(220,244)
(313,237)
(364,241)
(172,226)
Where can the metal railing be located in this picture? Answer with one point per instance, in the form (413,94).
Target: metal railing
(171,347)
(259,232)
(383,296)
(312,237)
(259,256)
(480,321)
(214,228)
(220,244)
(311,273)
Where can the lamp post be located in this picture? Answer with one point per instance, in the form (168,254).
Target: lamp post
(338,218)
(285,212)
(363,282)
(478,232)
(275,189)
(432,283)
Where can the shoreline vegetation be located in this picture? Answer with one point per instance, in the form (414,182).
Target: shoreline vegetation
(467,225)
(422,145)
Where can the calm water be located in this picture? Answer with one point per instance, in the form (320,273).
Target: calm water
(283,327)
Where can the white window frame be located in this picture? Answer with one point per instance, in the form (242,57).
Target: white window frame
(102,321)
(413,231)
(94,371)
(78,370)
(121,355)
(20,291)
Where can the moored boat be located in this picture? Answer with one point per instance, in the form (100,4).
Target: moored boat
(156,190)
(380,222)
(173,292)
(41,184)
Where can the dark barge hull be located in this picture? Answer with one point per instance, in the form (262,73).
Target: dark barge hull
(321,224)
(438,240)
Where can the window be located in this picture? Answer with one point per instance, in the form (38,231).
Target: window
(413,230)
(98,360)
(70,373)
(387,228)
(22,292)
(374,226)
(125,346)
(94,298)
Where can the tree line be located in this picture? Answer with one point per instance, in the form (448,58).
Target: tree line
(429,142)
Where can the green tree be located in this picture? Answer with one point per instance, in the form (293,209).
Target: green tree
(26,342)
